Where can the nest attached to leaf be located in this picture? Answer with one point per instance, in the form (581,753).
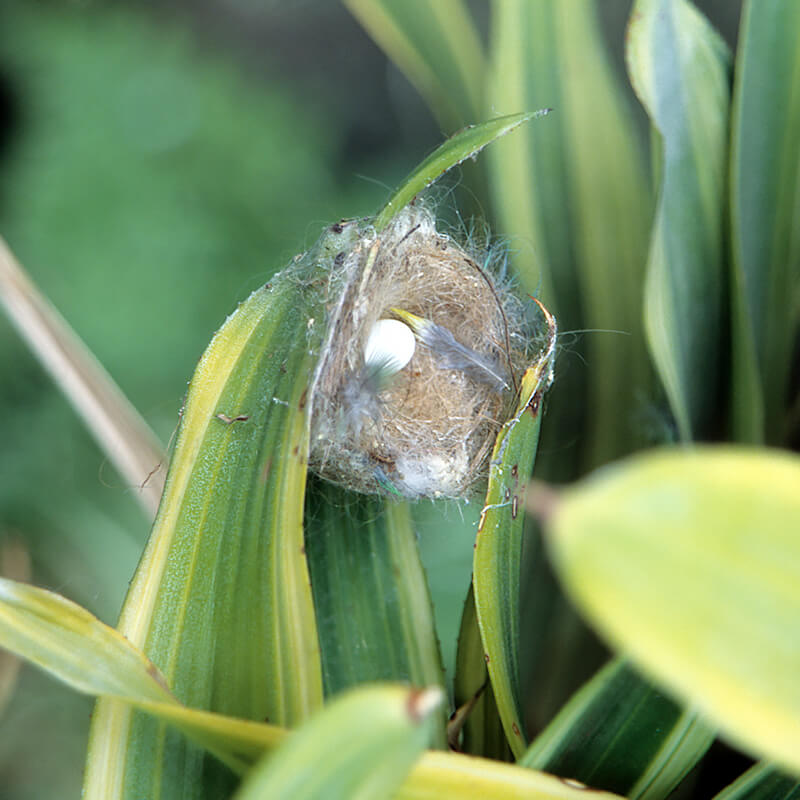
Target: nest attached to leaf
(430,431)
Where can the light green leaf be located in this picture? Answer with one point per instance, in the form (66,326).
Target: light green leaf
(80,650)
(74,646)
(679,68)
(221,601)
(361,548)
(438,48)
(689,562)
(361,746)
(572,198)
(762,782)
(467,143)
(765,218)
(620,733)
(448,776)
(116,425)
(498,546)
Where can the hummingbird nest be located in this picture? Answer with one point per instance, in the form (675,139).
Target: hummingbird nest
(412,407)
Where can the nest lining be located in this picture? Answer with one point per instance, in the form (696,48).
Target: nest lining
(430,431)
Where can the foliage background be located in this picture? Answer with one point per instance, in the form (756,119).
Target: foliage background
(157,163)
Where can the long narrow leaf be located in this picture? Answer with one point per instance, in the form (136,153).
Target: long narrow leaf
(116,425)
(481,728)
(690,563)
(221,600)
(360,549)
(467,143)
(438,48)
(572,198)
(499,542)
(622,734)
(765,217)
(679,68)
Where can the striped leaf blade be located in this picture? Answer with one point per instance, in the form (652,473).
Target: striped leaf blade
(374,614)
(679,68)
(621,733)
(572,197)
(221,600)
(437,47)
(765,217)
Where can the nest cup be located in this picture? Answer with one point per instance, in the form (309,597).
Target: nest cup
(428,429)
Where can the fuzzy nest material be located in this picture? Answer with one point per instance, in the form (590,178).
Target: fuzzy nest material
(429,431)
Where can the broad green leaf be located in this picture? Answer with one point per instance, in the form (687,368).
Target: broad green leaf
(679,68)
(438,48)
(467,143)
(621,733)
(221,601)
(689,562)
(476,714)
(361,746)
(78,649)
(374,614)
(765,218)
(113,421)
(572,198)
(499,541)
(762,782)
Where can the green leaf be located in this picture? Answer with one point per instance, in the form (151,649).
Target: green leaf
(765,217)
(361,746)
(689,562)
(619,732)
(221,601)
(74,646)
(572,198)
(467,143)
(438,48)
(361,548)
(679,68)
(77,648)
(762,782)
(476,708)
(498,546)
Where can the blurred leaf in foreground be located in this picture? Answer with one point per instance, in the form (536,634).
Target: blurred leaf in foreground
(689,562)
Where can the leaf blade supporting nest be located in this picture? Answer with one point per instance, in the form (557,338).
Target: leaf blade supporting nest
(721,522)
(221,601)
(498,546)
(361,548)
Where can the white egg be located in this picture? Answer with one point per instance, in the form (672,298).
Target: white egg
(390,346)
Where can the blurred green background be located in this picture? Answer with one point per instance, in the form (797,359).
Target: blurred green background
(157,163)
